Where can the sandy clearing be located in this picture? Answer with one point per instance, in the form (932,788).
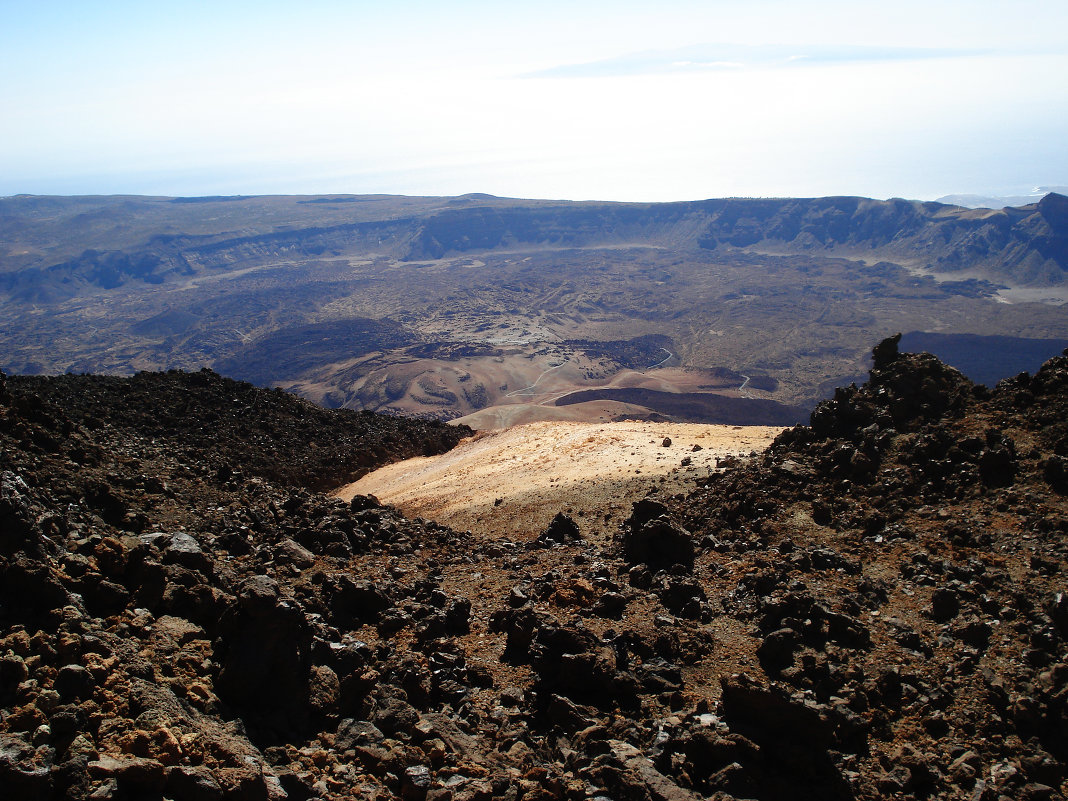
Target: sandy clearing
(510,483)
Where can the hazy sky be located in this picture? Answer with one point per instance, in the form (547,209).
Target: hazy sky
(608,100)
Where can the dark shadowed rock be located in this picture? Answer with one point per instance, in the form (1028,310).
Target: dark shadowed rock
(20,774)
(356,600)
(945,604)
(73,681)
(777,650)
(997,465)
(264,656)
(768,715)
(651,537)
(886,351)
(188,783)
(133,774)
(16,516)
(611,604)
(519,625)
(394,715)
(563,529)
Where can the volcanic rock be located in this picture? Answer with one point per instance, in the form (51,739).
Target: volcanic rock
(562,529)
(876,607)
(651,537)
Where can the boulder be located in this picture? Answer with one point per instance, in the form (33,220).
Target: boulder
(133,774)
(263,653)
(561,530)
(652,538)
(192,783)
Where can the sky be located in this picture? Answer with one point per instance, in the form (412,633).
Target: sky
(619,100)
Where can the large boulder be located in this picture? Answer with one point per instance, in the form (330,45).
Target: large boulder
(651,537)
(561,530)
(263,653)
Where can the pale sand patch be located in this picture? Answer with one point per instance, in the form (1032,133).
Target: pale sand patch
(510,483)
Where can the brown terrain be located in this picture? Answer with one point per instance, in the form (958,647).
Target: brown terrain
(506,310)
(874,606)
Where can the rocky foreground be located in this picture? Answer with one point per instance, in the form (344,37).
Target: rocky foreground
(874,607)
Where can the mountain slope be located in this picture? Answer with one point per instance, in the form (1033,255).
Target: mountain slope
(873,607)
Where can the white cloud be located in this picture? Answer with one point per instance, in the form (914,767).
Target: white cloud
(731,56)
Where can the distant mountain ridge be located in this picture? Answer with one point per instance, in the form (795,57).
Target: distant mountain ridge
(1025,246)
(973,201)
(1028,245)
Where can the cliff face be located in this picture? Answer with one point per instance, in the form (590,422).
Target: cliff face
(1024,245)
(875,606)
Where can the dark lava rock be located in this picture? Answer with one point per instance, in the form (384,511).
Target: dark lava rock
(73,681)
(885,352)
(611,605)
(20,775)
(572,662)
(777,650)
(182,617)
(640,577)
(133,774)
(945,604)
(561,530)
(356,599)
(188,783)
(519,625)
(650,537)
(768,714)
(394,715)
(183,549)
(682,597)
(997,466)
(263,654)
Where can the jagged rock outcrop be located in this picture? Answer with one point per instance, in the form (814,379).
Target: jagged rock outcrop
(917,516)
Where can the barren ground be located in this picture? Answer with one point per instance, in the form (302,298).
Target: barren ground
(510,484)
(890,580)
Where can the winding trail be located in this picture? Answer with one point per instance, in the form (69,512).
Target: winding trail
(741,389)
(525,391)
(670,356)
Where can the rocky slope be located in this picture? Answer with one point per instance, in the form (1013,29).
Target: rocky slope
(874,607)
